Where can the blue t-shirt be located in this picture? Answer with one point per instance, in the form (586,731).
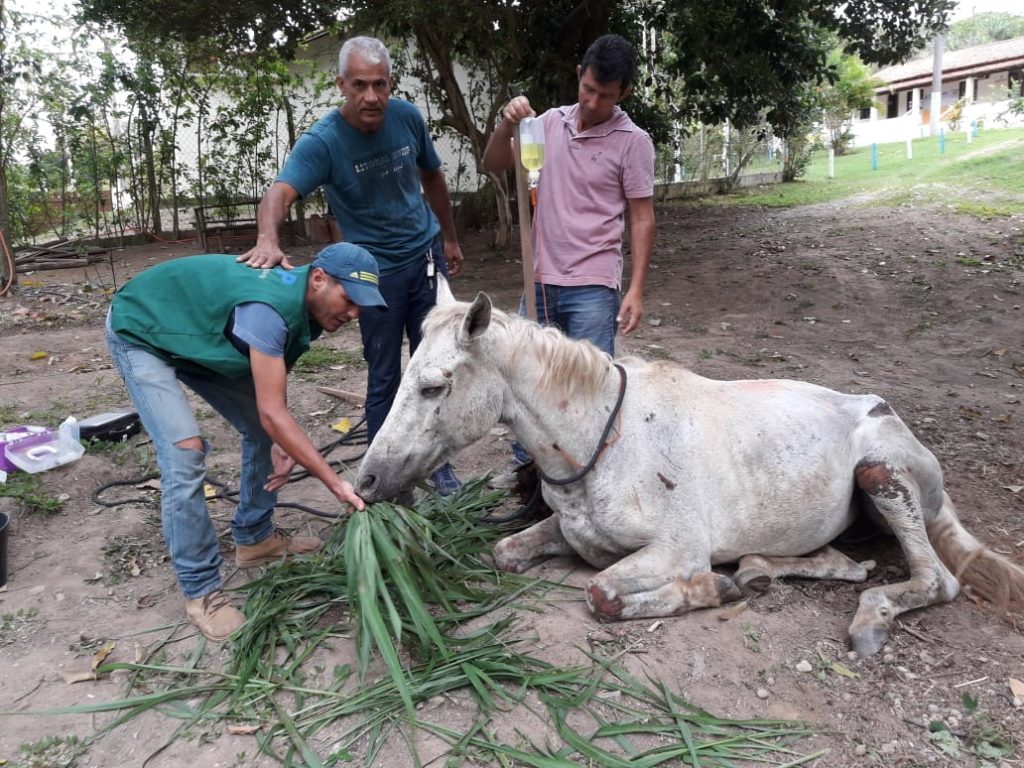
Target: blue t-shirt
(259,326)
(372,181)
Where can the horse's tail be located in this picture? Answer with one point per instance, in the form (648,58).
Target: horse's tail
(990,576)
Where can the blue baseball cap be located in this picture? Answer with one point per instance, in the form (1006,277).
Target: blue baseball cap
(355,269)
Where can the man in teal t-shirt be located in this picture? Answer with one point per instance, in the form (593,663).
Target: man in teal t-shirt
(230,334)
(376,163)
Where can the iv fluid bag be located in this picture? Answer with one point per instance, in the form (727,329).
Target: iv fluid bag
(531,143)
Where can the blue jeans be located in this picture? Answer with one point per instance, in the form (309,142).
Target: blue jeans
(155,389)
(580,312)
(410,295)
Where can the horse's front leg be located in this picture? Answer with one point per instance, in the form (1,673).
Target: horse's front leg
(657,581)
(519,552)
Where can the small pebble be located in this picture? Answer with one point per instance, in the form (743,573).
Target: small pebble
(762,693)
(803,666)
(860,750)
(888,658)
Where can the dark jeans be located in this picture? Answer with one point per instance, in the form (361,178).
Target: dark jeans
(410,295)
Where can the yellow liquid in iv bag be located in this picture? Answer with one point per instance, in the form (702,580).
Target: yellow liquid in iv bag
(532,156)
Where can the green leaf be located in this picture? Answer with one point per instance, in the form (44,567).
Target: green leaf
(969,702)
(945,741)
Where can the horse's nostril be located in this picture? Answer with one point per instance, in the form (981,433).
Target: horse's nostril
(367,481)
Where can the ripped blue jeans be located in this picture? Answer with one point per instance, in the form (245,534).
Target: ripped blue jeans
(156,390)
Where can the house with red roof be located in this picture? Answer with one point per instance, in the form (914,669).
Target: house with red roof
(977,86)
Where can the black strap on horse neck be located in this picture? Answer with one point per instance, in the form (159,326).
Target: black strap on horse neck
(602,443)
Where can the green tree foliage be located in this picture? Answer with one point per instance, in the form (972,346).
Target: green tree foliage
(239,26)
(747,60)
(852,90)
(984,28)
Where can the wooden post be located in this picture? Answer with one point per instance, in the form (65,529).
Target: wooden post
(525,230)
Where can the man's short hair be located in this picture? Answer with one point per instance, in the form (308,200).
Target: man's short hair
(611,58)
(370,49)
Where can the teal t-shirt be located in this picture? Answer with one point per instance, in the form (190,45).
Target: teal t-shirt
(372,181)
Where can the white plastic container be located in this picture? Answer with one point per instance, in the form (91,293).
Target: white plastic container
(45,450)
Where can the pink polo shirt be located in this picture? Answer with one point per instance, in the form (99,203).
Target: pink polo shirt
(584,185)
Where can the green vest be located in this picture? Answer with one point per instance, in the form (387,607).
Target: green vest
(179,310)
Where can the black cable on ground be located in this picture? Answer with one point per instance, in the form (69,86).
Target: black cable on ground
(358,435)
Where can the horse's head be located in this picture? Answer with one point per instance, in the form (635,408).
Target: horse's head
(449,397)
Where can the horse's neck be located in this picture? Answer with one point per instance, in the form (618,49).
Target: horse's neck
(561,431)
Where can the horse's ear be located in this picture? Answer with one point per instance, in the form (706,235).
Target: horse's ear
(477,318)
(444,291)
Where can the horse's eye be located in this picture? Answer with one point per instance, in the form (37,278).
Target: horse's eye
(431,391)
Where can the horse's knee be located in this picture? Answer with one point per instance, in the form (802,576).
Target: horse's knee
(603,602)
(511,557)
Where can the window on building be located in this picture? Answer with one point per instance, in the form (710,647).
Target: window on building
(865,114)
(961,90)
(910,100)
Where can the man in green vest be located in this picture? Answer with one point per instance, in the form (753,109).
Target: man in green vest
(231,334)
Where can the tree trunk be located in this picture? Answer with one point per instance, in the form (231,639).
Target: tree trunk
(147,152)
(289,121)
(5,219)
(503,234)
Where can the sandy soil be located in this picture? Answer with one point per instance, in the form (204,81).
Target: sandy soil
(921,306)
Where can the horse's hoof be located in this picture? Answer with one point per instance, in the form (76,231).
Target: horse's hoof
(752,581)
(603,605)
(870,641)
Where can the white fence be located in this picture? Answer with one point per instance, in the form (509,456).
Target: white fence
(909,126)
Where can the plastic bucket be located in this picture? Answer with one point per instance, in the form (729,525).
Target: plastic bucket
(4,520)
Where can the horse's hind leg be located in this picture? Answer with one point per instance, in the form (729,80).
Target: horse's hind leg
(756,572)
(898,497)
(655,582)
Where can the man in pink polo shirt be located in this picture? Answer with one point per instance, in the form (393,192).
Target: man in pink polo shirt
(598,166)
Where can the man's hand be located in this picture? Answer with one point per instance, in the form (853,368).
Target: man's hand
(453,257)
(283,466)
(346,494)
(265,256)
(630,311)
(517,109)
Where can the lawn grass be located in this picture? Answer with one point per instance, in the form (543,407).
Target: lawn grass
(983,178)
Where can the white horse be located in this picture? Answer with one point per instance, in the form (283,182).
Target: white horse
(656,474)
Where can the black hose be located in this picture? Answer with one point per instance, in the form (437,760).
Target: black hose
(358,435)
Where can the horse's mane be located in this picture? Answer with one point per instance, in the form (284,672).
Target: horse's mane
(569,367)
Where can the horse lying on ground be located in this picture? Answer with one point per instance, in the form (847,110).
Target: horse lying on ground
(657,474)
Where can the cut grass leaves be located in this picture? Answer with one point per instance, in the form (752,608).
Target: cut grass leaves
(407,583)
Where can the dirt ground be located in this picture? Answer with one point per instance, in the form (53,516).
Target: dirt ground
(919,305)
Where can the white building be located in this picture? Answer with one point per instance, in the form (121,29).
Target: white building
(983,79)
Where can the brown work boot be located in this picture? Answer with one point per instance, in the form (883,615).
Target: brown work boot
(276,546)
(214,615)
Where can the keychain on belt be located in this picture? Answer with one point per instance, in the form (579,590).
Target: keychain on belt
(431,268)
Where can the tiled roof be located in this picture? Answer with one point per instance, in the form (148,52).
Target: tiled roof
(975,59)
